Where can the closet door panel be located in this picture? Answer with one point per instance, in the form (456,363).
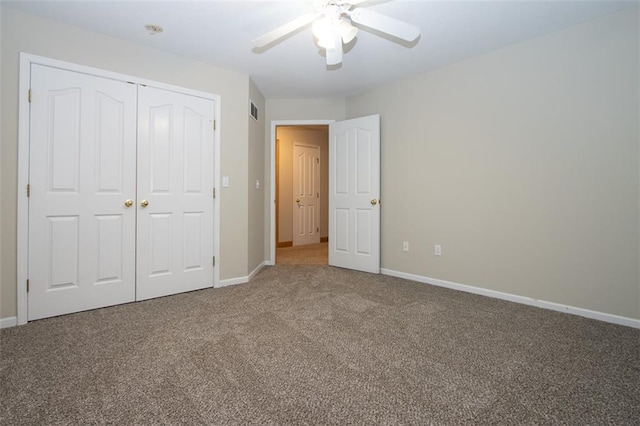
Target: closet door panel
(81,172)
(175,193)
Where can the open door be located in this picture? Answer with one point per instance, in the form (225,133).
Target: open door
(354,194)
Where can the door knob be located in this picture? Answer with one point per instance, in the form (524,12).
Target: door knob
(128,203)
(297,200)
(374,202)
(144,203)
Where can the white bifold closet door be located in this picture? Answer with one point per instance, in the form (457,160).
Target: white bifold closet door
(121,192)
(82,169)
(175,193)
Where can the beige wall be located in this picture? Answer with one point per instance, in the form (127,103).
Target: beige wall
(523,164)
(256,170)
(287,136)
(305,109)
(26,33)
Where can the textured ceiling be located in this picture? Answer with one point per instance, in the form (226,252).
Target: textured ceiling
(220,33)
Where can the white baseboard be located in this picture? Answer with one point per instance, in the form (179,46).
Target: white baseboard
(614,319)
(13,321)
(8,322)
(232,281)
(257,269)
(242,280)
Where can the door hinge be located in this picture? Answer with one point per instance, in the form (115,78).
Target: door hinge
(214,124)
(214,261)
(317,195)
(214,192)
(317,160)
(317,229)
(28,190)
(29,96)
(27,286)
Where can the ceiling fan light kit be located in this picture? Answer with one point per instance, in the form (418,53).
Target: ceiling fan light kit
(333,26)
(329,32)
(323,30)
(347,31)
(334,55)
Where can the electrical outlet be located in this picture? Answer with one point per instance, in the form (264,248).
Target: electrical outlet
(437,250)
(405,246)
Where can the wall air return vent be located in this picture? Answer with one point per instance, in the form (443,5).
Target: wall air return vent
(253,110)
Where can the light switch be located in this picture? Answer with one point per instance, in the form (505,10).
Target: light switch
(225,181)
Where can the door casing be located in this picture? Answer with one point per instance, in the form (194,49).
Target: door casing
(26,60)
(271,201)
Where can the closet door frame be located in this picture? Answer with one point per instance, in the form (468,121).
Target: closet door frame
(26,61)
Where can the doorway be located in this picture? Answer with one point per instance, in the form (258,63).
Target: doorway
(353,192)
(301,193)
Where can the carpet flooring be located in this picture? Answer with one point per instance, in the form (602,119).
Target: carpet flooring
(308,344)
(308,254)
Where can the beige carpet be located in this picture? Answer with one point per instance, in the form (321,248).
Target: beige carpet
(304,344)
(308,254)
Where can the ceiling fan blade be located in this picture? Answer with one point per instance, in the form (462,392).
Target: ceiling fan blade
(385,24)
(283,30)
(334,56)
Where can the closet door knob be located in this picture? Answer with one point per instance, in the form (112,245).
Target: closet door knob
(128,203)
(144,203)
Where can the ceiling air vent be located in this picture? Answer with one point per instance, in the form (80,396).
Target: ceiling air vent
(253,110)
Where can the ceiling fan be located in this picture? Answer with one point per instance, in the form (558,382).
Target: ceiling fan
(333,25)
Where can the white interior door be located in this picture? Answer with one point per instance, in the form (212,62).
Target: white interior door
(306,194)
(354,194)
(82,170)
(175,193)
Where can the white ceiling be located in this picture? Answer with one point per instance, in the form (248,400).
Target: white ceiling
(220,33)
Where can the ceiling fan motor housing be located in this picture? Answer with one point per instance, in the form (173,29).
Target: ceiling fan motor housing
(334,24)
